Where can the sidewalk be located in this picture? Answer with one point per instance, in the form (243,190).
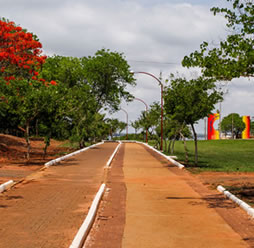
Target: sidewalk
(163,211)
(47,210)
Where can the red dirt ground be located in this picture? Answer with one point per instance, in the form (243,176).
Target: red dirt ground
(13,163)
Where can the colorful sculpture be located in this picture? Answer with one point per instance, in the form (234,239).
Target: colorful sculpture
(212,133)
(246,131)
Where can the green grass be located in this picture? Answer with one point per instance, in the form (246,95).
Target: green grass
(219,155)
(72,145)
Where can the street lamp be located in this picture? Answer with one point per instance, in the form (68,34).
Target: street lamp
(138,99)
(161,85)
(126,122)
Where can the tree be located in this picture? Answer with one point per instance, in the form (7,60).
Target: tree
(93,83)
(27,102)
(68,70)
(174,130)
(188,101)
(20,52)
(252,128)
(150,120)
(108,75)
(234,124)
(136,126)
(234,57)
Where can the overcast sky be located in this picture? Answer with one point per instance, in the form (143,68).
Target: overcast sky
(154,36)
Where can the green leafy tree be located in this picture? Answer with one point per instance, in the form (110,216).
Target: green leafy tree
(233,124)
(26,103)
(68,70)
(234,57)
(113,125)
(136,126)
(252,128)
(174,130)
(150,120)
(108,75)
(188,101)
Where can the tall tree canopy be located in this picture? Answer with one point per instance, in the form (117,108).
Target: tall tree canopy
(108,74)
(234,57)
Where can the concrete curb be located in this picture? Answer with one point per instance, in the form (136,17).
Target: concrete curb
(180,166)
(112,156)
(242,204)
(87,224)
(4,186)
(55,161)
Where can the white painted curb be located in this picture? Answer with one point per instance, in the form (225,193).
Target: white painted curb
(242,204)
(180,166)
(5,185)
(55,161)
(85,227)
(113,155)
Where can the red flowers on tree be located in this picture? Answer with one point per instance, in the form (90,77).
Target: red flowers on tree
(20,52)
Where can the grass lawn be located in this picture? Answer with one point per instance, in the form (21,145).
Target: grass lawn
(219,155)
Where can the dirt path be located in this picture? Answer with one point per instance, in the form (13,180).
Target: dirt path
(165,207)
(48,211)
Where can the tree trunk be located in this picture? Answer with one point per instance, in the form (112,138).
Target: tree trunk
(47,144)
(173,145)
(37,128)
(82,143)
(165,144)
(185,148)
(196,144)
(111,134)
(28,141)
(169,146)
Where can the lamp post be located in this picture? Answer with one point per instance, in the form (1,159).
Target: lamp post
(138,99)
(161,85)
(126,122)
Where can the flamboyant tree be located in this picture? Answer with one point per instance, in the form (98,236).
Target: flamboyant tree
(20,52)
(23,94)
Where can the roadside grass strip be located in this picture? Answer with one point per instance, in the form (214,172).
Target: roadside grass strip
(180,166)
(242,204)
(88,222)
(55,161)
(5,186)
(112,156)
